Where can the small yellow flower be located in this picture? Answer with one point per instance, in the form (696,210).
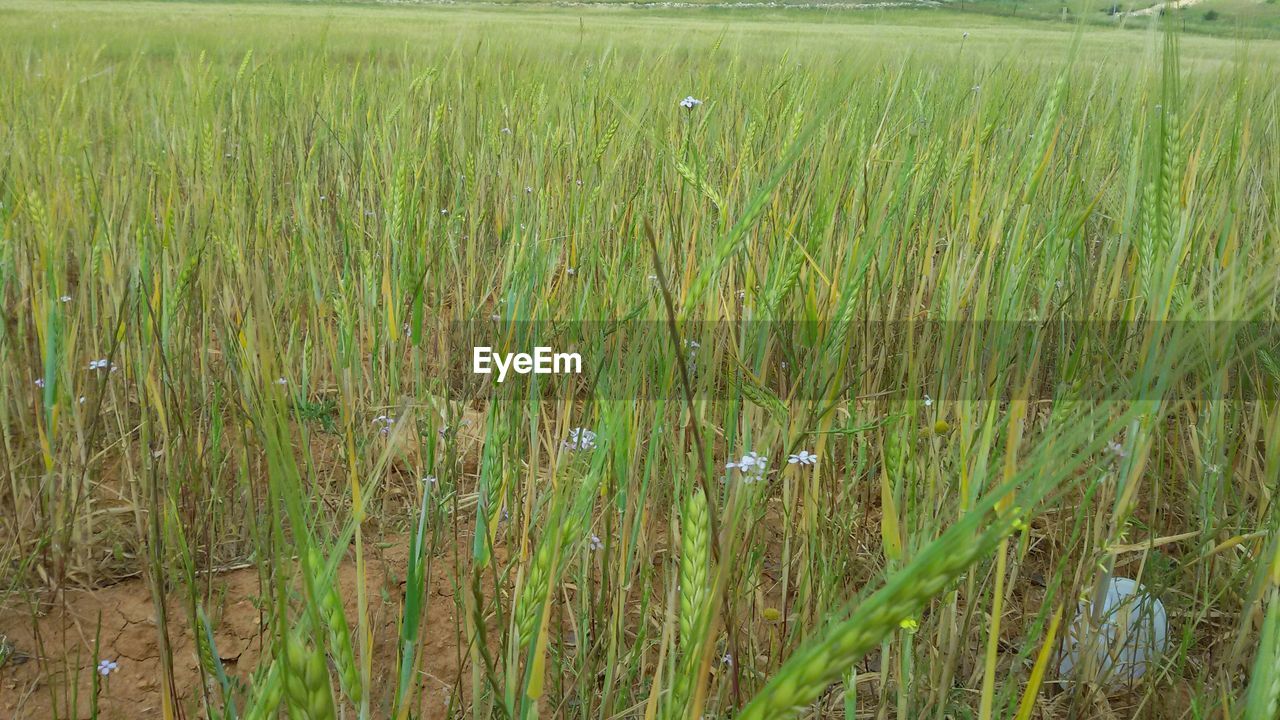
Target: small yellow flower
(941,427)
(1019,525)
(909,624)
(771,614)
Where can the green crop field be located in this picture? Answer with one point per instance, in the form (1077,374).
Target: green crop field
(929,362)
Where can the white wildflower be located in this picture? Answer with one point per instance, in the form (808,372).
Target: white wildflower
(752,465)
(690,102)
(580,439)
(804,457)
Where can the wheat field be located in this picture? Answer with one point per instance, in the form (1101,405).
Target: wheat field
(906,336)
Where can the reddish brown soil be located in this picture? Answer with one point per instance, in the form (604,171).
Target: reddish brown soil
(52,669)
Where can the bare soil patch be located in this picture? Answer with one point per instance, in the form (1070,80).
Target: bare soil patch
(52,667)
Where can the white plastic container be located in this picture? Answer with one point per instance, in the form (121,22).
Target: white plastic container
(1129,634)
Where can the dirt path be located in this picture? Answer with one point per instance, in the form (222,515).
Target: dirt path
(1170,5)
